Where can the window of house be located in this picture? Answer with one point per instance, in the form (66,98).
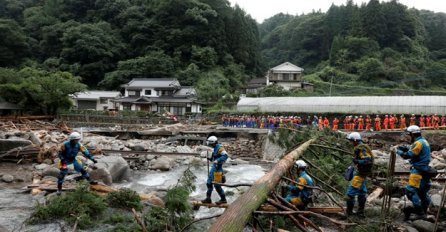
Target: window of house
(103,101)
(134,93)
(127,107)
(148,92)
(286,76)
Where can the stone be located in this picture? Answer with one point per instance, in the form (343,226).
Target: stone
(184,149)
(7,178)
(436,200)
(410,228)
(51,171)
(423,226)
(437,164)
(103,175)
(163,163)
(49,179)
(203,154)
(41,166)
(8,144)
(138,147)
(150,157)
(152,199)
(116,165)
(34,139)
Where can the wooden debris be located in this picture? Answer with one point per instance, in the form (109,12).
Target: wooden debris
(375,194)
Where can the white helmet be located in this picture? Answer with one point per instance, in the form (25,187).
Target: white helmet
(413,129)
(354,136)
(74,136)
(211,140)
(300,164)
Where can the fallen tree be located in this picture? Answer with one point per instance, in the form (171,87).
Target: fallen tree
(237,215)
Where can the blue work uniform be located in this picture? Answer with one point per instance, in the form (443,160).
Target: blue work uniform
(419,181)
(220,155)
(363,167)
(300,195)
(67,155)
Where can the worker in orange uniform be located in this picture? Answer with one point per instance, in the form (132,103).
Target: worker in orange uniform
(422,121)
(354,122)
(428,121)
(321,123)
(360,123)
(368,123)
(377,123)
(443,121)
(326,122)
(386,122)
(413,120)
(346,123)
(402,122)
(392,122)
(436,122)
(335,124)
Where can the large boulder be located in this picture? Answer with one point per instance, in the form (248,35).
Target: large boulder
(437,164)
(423,226)
(8,144)
(163,163)
(103,175)
(51,171)
(117,167)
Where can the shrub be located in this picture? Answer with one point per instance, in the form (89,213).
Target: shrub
(81,205)
(125,199)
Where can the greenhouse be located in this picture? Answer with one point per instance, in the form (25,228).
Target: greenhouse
(354,105)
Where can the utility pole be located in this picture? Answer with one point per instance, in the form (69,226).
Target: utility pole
(331,84)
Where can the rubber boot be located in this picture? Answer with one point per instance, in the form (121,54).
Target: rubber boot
(59,189)
(419,213)
(222,200)
(207,200)
(349,212)
(361,206)
(407,212)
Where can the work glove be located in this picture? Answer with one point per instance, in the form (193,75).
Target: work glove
(94,161)
(403,148)
(355,161)
(400,152)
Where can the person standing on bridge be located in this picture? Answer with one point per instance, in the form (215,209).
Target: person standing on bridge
(218,157)
(377,123)
(363,161)
(419,184)
(402,122)
(413,120)
(67,155)
(301,194)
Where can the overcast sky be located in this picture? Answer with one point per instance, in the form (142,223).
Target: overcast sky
(263,9)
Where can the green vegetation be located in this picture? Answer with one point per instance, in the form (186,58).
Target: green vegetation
(81,205)
(88,209)
(378,48)
(125,199)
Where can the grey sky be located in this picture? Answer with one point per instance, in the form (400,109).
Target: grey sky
(262,9)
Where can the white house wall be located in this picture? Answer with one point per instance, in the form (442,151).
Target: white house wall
(354,105)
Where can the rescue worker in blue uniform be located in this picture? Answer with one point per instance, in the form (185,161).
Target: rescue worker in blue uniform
(218,157)
(67,155)
(363,162)
(417,190)
(301,194)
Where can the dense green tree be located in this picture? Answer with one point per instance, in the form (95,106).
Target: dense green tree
(95,47)
(154,65)
(13,45)
(40,91)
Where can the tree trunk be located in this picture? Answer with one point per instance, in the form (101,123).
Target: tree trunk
(237,215)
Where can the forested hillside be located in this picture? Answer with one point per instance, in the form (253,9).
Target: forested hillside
(106,43)
(375,48)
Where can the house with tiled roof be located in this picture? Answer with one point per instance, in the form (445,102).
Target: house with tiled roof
(287,75)
(158,95)
(95,100)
